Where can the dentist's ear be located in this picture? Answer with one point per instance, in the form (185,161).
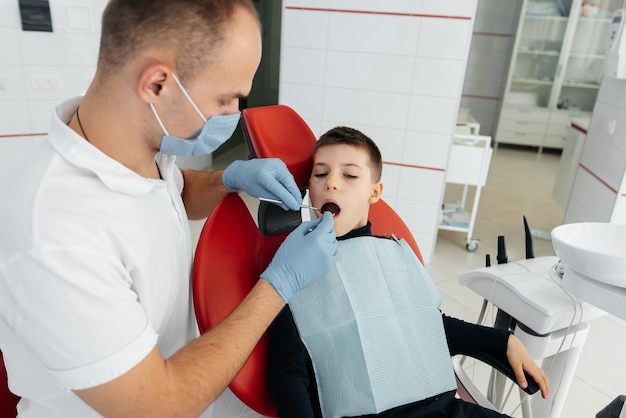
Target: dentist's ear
(377,191)
(151,82)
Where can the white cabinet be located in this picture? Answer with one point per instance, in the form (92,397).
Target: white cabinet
(555,70)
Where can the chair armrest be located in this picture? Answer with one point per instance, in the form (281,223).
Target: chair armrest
(466,389)
(506,369)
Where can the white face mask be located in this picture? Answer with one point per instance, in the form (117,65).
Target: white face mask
(216,130)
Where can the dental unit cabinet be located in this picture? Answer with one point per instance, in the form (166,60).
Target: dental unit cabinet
(552,298)
(552,326)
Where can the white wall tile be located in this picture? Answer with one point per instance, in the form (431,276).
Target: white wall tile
(58,48)
(420,185)
(426,243)
(444,38)
(13,78)
(576,211)
(304,29)
(15,119)
(307,100)
(437,77)
(619,212)
(390,140)
(450,7)
(366,107)
(358,70)
(374,34)
(72,81)
(596,199)
(9,15)
(611,93)
(433,114)
(601,153)
(426,149)
(307,3)
(316,126)
(13,151)
(372,83)
(419,216)
(9,46)
(40,112)
(390,179)
(388,6)
(301,65)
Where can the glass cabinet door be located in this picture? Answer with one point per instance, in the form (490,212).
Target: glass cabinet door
(584,67)
(542,36)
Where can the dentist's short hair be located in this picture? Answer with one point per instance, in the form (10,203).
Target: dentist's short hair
(193,29)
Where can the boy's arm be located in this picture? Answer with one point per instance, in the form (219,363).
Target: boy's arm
(499,348)
(472,339)
(290,380)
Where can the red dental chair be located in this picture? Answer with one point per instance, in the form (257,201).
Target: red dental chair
(8,401)
(232,251)
(222,277)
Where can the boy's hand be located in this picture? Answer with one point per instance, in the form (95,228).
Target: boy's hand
(521,361)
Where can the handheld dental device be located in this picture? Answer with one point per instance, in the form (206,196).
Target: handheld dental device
(280,202)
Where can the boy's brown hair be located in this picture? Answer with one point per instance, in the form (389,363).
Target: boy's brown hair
(353,137)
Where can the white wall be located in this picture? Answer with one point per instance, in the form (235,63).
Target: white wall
(599,190)
(40,69)
(392,69)
(489,57)
(396,74)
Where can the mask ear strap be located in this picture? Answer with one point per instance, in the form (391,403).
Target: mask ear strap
(188,97)
(156,115)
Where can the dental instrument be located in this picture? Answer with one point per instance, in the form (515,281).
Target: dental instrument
(280,202)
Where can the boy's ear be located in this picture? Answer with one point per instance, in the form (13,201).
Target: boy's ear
(377,191)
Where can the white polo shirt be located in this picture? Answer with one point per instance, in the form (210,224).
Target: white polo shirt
(95,265)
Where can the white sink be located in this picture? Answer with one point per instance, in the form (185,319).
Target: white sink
(594,249)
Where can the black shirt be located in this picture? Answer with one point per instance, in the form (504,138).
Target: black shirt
(290,371)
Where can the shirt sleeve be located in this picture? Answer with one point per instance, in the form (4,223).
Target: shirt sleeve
(79,314)
(473,340)
(290,371)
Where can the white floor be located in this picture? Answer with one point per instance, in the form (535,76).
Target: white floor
(519,183)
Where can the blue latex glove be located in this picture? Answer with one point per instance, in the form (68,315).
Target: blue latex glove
(304,257)
(264,177)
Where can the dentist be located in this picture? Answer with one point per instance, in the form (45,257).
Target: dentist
(95,251)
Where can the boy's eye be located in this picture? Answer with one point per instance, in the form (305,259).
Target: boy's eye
(320,175)
(350,176)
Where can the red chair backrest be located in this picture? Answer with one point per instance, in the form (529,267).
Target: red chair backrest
(232,253)
(8,401)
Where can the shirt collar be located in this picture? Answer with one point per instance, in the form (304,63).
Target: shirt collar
(358,232)
(80,153)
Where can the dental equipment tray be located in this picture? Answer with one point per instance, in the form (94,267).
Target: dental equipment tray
(530,291)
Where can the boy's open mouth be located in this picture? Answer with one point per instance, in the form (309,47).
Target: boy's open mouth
(330,207)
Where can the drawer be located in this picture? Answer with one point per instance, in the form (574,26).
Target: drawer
(554,141)
(523,126)
(558,129)
(519,138)
(530,114)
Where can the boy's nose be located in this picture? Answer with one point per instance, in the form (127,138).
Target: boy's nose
(331,183)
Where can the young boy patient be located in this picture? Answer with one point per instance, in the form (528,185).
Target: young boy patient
(369,340)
